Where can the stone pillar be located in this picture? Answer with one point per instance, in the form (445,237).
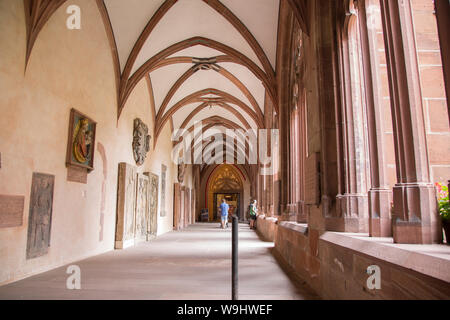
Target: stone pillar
(354,201)
(270,208)
(274,155)
(302,216)
(379,194)
(197,186)
(443,23)
(266,195)
(340,123)
(415,218)
(344,165)
(327,53)
(284,99)
(260,191)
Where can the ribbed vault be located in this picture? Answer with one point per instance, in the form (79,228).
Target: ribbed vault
(197,74)
(203,60)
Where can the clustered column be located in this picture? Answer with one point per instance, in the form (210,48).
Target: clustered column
(415,218)
(379,193)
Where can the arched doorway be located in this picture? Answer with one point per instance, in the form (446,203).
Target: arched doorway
(225,183)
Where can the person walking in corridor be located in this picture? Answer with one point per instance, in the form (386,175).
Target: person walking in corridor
(253,214)
(224,207)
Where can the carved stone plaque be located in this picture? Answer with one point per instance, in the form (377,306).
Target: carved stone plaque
(141,141)
(40,217)
(142,207)
(11,211)
(126,202)
(153,218)
(77,174)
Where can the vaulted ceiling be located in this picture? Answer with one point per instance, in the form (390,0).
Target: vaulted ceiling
(205,60)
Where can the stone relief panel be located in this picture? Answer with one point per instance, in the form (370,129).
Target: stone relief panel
(137,206)
(142,206)
(181,171)
(153,214)
(141,141)
(126,204)
(40,215)
(163,191)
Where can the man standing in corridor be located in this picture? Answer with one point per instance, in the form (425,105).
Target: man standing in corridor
(224,212)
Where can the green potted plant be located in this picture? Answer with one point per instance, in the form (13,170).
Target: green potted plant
(444,209)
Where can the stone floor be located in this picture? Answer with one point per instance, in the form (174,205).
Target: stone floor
(189,265)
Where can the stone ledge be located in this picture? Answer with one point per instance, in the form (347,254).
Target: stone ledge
(298,227)
(264,217)
(272,219)
(431,260)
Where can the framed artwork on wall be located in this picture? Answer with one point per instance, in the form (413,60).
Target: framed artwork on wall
(81,141)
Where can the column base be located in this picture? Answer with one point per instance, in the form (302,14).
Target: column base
(352,217)
(271,210)
(262,210)
(415,218)
(289,212)
(302,215)
(380,224)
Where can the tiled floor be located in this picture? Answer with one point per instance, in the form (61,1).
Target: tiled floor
(190,264)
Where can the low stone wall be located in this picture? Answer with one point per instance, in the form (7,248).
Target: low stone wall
(405,271)
(267,227)
(298,247)
(336,265)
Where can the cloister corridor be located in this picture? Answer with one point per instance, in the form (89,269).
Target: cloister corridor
(192,264)
(129,130)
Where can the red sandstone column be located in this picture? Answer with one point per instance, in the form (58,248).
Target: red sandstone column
(340,124)
(443,22)
(270,189)
(352,163)
(283,82)
(415,218)
(302,216)
(261,204)
(380,193)
(326,51)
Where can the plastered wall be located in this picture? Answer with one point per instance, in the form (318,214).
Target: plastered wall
(67,69)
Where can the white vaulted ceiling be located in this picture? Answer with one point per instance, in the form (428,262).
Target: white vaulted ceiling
(261,18)
(240,34)
(190,18)
(128,19)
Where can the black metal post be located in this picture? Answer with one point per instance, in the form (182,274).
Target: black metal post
(234,259)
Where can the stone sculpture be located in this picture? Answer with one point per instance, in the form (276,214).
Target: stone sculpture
(141,141)
(153,215)
(40,216)
(162,212)
(126,203)
(142,207)
(181,171)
